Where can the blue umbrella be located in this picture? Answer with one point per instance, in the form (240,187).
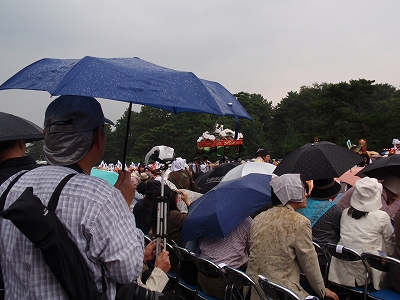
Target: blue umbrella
(110,177)
(131,80)
(222,209)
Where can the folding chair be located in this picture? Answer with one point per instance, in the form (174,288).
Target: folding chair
(237,280)
(320,250)
(275,291)
(386,264)
(210,270)
(185,257)
(349,255)
(173,272)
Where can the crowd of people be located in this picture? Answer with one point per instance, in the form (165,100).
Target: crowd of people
(108,223)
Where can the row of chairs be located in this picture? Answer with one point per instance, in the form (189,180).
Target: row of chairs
(236,280)
(389,265)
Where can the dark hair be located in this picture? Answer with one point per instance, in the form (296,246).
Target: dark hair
(366,160)
(274,198)
(355,213)
(8,144)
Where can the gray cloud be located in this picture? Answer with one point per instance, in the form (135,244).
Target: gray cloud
(265,47)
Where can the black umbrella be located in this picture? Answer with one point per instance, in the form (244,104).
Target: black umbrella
(16,128)
(382,167)
(318,161)
(210,179)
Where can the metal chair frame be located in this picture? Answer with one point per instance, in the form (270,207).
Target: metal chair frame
(385,264)
(237,280)
(276,291)
(346,254)
(183,254)
(208,268)
(321,249)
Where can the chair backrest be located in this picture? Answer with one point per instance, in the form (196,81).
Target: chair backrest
(183,254)
(381,263)
(342,253)
(350,255)
(276,291)
(321,251)
(187,268)
(208,268)
(237,280)
(173,260)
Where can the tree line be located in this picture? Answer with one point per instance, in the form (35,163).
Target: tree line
(334,112)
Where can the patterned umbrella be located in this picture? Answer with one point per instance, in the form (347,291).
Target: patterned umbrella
(318,161)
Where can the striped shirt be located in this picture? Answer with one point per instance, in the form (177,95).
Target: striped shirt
(97,219)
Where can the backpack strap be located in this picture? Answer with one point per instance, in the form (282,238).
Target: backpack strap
(56,194)
(7,190)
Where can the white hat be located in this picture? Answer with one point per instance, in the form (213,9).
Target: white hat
(392,183)
(178,164)
(288,187)
(367,195)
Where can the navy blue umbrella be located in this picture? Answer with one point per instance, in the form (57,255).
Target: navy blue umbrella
(128,79)
(222,209)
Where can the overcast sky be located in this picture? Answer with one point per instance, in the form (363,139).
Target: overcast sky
(268,47)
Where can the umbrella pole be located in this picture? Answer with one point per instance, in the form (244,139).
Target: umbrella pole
(127,135)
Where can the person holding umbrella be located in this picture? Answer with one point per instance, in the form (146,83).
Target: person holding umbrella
(95,213)
(281,241)
(231,250)
(15,133)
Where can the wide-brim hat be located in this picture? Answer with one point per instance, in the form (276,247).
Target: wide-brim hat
(144,176)
(367,195)
(16,128)
(324,189)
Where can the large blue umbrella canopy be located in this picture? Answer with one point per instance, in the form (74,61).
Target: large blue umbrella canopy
(223,208)
(131,80)
(128,79)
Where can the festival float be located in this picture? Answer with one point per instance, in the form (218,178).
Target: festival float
(220,138)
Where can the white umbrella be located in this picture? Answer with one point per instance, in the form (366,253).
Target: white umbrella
(247,168)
